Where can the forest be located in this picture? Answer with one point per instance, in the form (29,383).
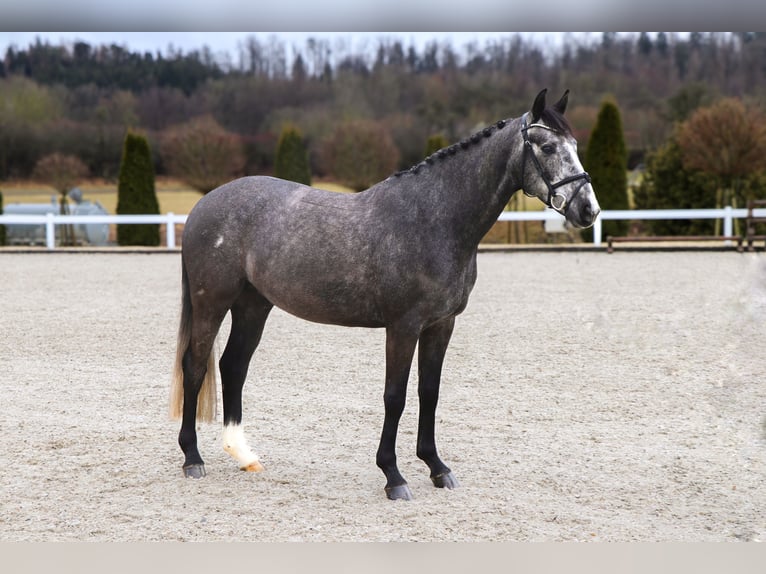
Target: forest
(81,99)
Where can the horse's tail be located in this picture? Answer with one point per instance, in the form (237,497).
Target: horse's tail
(206,399)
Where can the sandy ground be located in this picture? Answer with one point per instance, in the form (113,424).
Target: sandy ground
(586,396)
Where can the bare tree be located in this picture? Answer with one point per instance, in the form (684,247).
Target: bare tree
(62,172)
(726,141)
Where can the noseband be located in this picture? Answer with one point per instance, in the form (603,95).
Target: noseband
(562,204)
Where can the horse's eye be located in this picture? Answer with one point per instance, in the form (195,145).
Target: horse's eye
(548,149)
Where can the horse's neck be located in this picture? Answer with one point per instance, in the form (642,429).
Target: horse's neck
(471,189)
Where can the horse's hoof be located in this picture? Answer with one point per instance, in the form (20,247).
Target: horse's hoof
(194,471)
(446,480)
(401,492)
(254,466)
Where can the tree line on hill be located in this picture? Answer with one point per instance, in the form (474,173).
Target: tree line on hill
(385,102)
(82,98)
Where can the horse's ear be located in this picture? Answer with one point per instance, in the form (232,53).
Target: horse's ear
(539,105)
(561,105)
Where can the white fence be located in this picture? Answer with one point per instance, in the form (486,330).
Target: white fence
(727,214)
(50,220)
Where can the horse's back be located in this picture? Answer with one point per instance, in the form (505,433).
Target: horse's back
(267,209)
(308,251)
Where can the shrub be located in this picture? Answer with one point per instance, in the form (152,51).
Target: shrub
(666,184)
(435,143)
(360,153)
(203,154)
(727,142)
(136,193)
(292,159)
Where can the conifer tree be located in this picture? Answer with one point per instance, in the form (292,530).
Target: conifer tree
(606,160)
(136,193)
(292,159)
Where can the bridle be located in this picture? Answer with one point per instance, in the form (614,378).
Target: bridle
(556,201)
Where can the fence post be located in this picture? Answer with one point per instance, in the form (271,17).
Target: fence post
(728,228)
(170,232)
(597,232)
(50,231)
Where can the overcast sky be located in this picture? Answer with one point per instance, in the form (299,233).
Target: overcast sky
(407,15)
(229,42)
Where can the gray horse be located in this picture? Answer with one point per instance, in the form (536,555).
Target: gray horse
(400,255)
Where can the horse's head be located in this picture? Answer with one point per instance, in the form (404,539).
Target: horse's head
(551,169)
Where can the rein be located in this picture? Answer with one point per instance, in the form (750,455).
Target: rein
(562,201)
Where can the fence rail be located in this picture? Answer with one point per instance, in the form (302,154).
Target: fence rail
(727,214)
(51,220)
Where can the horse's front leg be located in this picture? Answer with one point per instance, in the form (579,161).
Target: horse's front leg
(400,348)
(433,346)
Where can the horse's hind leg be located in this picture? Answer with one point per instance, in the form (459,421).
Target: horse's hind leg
(204,328)
(248,317)
(432,347)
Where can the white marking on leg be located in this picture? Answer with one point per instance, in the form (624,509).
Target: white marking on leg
(218,241)
(235,443)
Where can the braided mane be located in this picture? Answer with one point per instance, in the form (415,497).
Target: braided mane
(454,148)
(552,118)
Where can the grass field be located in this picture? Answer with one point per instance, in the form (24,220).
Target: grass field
(173,195)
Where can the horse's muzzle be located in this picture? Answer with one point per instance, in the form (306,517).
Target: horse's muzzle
(584,210)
